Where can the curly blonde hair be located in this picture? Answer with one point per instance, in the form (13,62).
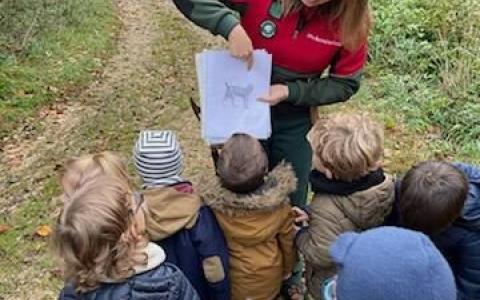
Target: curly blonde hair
(80,170)
(97,236)
(348,145)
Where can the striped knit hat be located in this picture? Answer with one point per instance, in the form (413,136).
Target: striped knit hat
(158,158)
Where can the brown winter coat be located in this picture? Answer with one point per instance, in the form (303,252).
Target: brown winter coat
(331,215)
(259,232)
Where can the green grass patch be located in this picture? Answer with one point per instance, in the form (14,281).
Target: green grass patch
(21,249)
(48,47)
(423,57)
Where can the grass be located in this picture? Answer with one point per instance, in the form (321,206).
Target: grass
(425,66)
(25,258)
(49,48)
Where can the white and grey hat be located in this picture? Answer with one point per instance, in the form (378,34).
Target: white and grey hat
(158,158)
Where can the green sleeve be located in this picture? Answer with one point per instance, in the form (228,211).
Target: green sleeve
(323,91)
(212,15)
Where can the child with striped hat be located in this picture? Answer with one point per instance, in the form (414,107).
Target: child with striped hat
(176,218)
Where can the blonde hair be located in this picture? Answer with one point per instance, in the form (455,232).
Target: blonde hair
(349,145)
(96,235)
(80,170)
(353,17)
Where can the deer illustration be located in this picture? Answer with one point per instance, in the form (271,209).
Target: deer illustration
(234,92)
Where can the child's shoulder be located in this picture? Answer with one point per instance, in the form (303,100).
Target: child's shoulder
(471,208)
(151,283)
(471,171)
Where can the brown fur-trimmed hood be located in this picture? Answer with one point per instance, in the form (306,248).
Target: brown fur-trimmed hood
(279,183)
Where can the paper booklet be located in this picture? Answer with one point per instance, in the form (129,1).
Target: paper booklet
(229,92)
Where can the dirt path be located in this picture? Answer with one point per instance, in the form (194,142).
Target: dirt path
(33,153)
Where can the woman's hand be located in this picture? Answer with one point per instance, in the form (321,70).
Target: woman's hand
(278,93)
(240,45)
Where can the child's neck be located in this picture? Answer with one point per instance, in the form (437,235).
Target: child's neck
(321,184)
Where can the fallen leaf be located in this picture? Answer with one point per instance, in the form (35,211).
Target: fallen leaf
(4,228)
(44,230)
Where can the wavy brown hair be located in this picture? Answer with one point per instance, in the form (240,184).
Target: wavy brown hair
(97,237)
(80,170)
(352,16)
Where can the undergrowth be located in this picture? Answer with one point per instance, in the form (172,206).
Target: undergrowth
(424,58)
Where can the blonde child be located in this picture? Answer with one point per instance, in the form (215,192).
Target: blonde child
(252,207)
(100,239)
(351,191)
(175,218)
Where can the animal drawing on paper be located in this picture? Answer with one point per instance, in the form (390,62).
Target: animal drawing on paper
(235,94)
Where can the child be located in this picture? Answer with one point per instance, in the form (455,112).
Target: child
(388,263)
(351,191)
(443,201)
(176,219)
(99,237)
(253,210)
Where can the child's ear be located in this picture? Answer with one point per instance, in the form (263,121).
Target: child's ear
(341,246)
(378,165)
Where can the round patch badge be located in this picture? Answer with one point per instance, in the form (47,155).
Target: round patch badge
(268,29)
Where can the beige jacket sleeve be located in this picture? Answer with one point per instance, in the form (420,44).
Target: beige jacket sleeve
(326,222)
(286,237)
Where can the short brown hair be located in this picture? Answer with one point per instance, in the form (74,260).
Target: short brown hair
(349,145)
(96,235)
(432,195)
(242,163)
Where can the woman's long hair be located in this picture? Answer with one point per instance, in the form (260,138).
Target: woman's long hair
(352,16)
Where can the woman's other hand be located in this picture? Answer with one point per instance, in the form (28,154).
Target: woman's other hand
(278,93)
(301,216)
(240,45)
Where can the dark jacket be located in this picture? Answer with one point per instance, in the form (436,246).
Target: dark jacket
(460,243)
(191,238)
(163,282)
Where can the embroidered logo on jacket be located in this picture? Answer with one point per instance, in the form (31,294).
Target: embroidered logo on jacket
(320,40)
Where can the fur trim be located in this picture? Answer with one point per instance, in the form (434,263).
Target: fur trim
(279,183)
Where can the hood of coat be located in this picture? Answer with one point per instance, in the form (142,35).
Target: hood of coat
(257,217)
(366,208)
(167,211)
(279,183)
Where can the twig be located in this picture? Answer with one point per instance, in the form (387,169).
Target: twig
(28,34)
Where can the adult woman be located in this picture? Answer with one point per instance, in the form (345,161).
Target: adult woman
(305,37)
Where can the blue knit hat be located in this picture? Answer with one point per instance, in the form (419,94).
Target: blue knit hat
(390,263)
(158,158)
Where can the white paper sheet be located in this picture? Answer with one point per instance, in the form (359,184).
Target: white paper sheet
(229,92)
